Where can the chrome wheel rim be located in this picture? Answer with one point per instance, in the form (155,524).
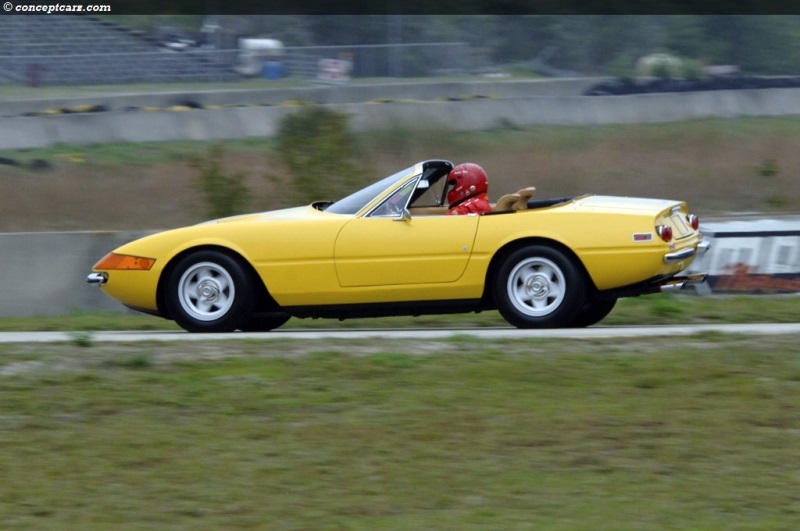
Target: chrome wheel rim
(206,291)
(536,287)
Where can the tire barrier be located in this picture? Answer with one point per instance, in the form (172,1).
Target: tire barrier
(625,87)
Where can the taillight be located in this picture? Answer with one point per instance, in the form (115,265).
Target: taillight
(664,232)
(694,221)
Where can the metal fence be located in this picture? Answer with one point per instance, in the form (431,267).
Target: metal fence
(389,60)
(101,67)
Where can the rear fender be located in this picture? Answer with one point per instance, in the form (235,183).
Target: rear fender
(507,249)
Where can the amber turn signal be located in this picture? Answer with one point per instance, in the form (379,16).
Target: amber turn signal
(124,261)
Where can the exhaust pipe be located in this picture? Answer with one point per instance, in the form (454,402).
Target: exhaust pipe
(682,282)
(674,286)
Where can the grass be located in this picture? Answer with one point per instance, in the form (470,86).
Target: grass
(598,434)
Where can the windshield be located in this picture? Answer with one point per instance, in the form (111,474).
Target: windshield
(355,202)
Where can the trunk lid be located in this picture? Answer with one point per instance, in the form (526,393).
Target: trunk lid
(669,212)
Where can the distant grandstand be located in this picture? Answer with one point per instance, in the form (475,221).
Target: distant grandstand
(83,50)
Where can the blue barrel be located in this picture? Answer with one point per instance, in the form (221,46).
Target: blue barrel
(271,70)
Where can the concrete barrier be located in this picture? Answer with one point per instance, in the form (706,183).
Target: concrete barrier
(45,273)
(21,132)
(221,115)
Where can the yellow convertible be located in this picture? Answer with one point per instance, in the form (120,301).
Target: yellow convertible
(390,249)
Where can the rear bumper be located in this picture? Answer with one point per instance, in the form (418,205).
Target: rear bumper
(685,254)
(680,256)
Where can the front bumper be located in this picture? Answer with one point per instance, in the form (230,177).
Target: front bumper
(97,279)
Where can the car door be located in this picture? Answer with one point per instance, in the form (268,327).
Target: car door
(386,251)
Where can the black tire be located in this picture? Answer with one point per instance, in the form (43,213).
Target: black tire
(266,322)
(539,287)
(209,291)
(593,312)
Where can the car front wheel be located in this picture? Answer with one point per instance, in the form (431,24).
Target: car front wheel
(209,291)
(539,287)
(265,323)
(593,311)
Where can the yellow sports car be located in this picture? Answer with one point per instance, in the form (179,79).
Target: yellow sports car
(392,249)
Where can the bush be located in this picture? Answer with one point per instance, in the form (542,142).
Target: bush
(622,68)
(692,70)
(224,194)
(318,150)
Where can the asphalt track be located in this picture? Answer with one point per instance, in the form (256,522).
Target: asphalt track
(593,332)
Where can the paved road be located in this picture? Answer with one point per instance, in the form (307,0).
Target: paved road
(502,333)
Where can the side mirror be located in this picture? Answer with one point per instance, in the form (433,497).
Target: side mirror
(405,215)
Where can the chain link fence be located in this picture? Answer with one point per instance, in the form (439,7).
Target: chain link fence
(200,65)
(390,60)
(60,50)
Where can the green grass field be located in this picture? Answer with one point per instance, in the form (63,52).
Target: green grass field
(686,433)
(697,432)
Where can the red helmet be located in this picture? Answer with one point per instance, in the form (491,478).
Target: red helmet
(468,180)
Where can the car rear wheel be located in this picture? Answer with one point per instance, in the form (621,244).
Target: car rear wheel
(209,291)
(539,287)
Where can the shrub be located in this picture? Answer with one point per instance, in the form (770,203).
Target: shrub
(224,194)
(622,68)
(318,150)
(691,70)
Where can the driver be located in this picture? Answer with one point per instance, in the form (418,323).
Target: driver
(469,194)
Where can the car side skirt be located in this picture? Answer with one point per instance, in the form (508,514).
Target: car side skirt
(394,309)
